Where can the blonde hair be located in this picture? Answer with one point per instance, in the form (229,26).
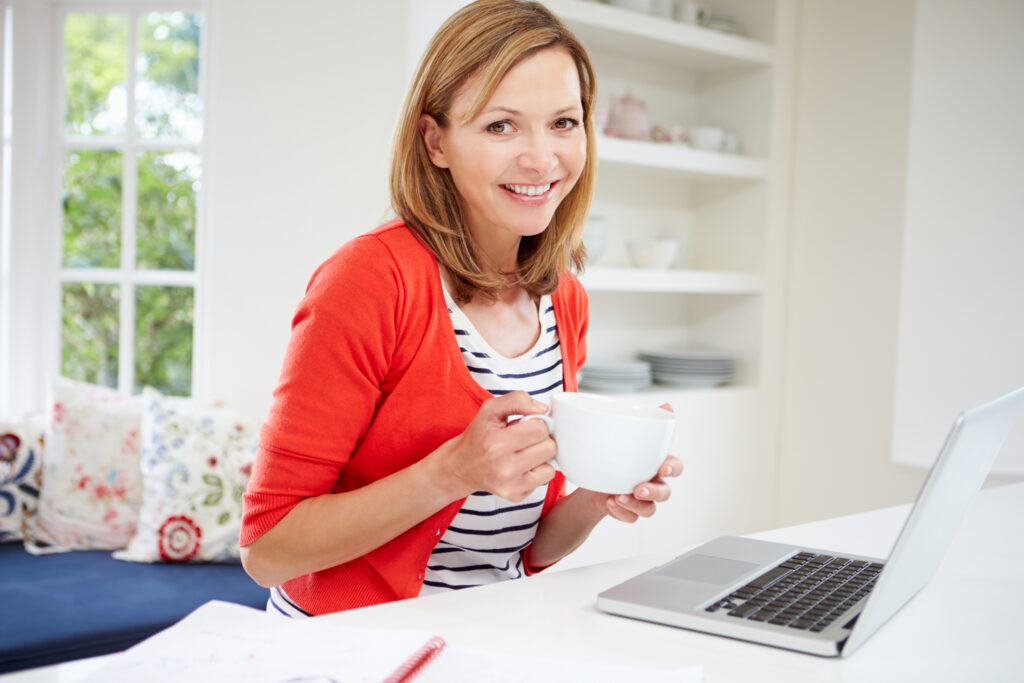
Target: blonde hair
(488,37)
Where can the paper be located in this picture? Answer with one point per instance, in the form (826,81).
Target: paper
(225,642)
(469,665)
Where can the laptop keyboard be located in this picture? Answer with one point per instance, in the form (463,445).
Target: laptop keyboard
(807,592)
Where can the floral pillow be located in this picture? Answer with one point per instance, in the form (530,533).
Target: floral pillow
(195,464)
(21,457)
(91,486)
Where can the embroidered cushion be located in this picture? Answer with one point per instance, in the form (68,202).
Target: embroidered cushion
(21,458)
(195,465)
(91,488)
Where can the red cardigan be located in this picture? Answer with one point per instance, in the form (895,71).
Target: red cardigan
(373,381)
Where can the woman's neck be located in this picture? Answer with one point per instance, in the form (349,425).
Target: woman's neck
(498,254)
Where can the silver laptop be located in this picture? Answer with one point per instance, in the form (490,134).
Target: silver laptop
(817,601)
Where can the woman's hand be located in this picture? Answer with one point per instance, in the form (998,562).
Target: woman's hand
(645,497)
(506,459)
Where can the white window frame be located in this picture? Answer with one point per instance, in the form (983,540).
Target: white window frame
(6,12)
(31,297)
(26,239)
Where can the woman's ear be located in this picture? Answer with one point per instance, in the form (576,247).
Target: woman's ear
(431,133)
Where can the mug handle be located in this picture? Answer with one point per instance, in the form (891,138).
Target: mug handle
(550,424)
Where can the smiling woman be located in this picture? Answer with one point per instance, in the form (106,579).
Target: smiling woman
(389,465)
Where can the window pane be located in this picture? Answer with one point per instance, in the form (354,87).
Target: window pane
(168,183)
(167,91)
(163,339)
(92,208)
(95,58)
(89,350)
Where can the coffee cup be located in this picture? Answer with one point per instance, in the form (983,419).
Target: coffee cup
(713,139)
(605,443)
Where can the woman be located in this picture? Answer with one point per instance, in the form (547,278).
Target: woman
(389,465)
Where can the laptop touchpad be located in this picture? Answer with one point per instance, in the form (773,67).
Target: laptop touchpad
(707,569)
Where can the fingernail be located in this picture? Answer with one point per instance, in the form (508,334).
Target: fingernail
(645,492)
(624,499)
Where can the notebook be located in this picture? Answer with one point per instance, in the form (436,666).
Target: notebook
(815,601)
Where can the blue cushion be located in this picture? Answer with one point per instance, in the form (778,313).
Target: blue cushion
(60,607)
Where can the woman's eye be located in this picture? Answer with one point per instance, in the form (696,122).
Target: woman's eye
(566,124)
(500,127)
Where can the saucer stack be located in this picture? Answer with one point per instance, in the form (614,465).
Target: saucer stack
(632,376)
(691,367)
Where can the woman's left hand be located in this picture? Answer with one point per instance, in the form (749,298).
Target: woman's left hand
(645,497)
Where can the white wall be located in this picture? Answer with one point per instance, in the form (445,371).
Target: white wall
(303,99)
(876,83)
(961,338)
(850,133)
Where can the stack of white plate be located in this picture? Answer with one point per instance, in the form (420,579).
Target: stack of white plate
(631,376)
(691,367)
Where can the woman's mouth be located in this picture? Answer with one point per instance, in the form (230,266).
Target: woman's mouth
(528,190)
(529,193)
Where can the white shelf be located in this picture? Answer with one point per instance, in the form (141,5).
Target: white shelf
(646,37)
(669,281)
(682,158)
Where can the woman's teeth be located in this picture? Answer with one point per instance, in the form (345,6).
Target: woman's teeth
(528,190)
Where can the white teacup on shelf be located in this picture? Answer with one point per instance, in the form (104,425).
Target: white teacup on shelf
(654,253)
(713,139)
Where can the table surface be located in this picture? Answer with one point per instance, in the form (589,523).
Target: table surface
(964,626)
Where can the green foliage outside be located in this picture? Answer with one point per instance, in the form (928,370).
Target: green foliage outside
(92,208)
(167,180)
(163,339)
(166,213)
(89,347)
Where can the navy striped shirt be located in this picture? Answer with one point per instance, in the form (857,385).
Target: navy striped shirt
(485,542)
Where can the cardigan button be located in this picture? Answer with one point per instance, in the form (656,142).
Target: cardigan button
(437,532)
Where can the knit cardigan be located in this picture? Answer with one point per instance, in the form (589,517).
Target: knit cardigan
(373,381)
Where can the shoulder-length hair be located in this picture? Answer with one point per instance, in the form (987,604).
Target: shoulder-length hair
(489,37)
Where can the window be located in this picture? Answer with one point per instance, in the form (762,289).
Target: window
(131,177)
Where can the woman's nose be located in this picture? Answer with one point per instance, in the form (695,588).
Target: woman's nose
(538,155)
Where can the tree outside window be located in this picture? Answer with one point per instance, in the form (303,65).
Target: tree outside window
(132,177)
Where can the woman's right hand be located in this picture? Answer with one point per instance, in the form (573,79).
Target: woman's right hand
(508,459)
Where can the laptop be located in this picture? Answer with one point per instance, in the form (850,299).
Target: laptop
(815,601)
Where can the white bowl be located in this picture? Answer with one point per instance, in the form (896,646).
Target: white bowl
(658,254)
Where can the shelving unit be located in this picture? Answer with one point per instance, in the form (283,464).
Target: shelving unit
(716,204)
(729,213)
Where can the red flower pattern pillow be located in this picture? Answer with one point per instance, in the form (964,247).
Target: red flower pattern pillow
(91,488)
(196,462)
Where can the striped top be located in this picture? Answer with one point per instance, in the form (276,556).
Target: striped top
(485,542)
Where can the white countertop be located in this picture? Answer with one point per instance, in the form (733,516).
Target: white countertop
(964,626)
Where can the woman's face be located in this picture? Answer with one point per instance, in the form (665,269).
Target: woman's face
(520,156)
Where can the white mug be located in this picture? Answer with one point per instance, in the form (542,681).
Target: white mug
(607,444)
(714,139)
